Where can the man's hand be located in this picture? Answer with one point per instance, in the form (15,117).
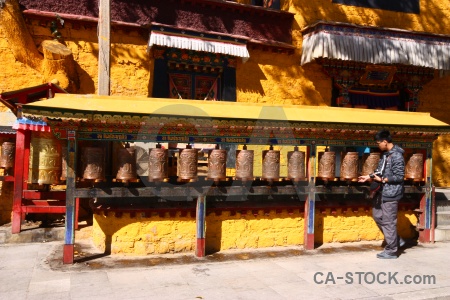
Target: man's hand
(363,178)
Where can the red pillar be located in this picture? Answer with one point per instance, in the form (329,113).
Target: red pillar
(20,175)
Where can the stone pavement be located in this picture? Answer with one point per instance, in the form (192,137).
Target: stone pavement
(336,271)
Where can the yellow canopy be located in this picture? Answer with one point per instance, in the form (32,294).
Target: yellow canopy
(85,107)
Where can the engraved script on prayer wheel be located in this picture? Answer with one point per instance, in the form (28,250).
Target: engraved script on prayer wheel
(187,164)
(327,164)
(126,162)
(45,160)
(93,163)
(370,163)
(271,164)
(63,163)
(349,165)
(158,164)
(7,155)
(414,167)
(244,164)
(296,165)
(217,161)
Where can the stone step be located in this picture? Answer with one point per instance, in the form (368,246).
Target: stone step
(34,235)
(442,233)
(442,218)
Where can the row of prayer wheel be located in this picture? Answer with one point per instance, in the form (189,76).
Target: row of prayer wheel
(93,161)
(217,158)
(48,163)
(349,169)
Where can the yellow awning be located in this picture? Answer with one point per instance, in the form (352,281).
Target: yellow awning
(91,107)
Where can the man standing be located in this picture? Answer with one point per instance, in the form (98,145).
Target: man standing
(389,173)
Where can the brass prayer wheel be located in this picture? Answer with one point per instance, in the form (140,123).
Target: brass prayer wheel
(414,167)
(244,164)
(370,163)
(270,164)
(7,155)
(158,164)
(63,162)
(126,163)
(45,159)
(188,163)
(327,165)
(296,165)
(349,166)
(93,163)
(217,164)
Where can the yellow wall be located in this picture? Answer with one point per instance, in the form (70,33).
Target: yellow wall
(156,235)
(346,225)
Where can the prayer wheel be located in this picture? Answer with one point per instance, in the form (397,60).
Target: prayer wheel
(7,155)
(217,164)
(45,159)
(126,163)
(63,163)
(349,166)
(327,165)
(414,167)
(271,164)
(158,164)
(370,163)
(296,165)
(244,164)
(93,163)
(188,164)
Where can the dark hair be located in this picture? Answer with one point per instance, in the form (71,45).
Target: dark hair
(383,135)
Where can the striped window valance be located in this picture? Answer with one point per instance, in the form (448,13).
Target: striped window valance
(375,45)
(190,40)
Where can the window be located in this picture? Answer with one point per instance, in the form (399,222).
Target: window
(188,74)
(275,4)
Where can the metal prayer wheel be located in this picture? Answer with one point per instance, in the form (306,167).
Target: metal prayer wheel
(217,164)
(296,165)
(327,165)
(126,163)
(158,164)
(63,163)
(187,163)
(244,164)
(7,155)
(414,167)
(93,163)
(370,163)
(349,165)
(270,164)
(45,160)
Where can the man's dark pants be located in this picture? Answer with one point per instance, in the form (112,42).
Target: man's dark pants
(385,215)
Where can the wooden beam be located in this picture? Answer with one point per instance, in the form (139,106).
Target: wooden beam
(104,47)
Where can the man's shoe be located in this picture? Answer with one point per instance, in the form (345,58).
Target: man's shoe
(384,255)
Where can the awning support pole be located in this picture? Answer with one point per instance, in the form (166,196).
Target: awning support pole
(201,226)
(69,235)
(310,203)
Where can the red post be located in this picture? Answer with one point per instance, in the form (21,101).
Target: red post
(20,176)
